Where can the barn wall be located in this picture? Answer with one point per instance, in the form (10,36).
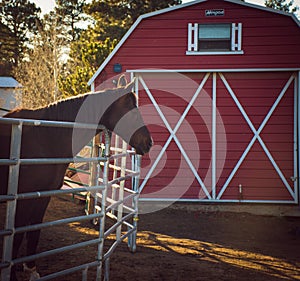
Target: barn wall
(269,40)
(211,163)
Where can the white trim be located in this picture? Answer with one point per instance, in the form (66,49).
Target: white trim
(214,133)
(110,56)
(189,200)
(266,9)
(297,138)
(203,53)
(155,70)
(128,33)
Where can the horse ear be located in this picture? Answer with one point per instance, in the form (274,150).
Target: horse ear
(122,82)
(130,86)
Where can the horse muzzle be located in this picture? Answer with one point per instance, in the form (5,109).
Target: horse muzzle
(143,147)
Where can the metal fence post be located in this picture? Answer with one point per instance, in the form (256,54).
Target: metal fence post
(103,206)
(15,147)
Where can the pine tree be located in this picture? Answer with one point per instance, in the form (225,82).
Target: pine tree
(282,5)
(21,18)
(111,21)
(7,46)
(70,13)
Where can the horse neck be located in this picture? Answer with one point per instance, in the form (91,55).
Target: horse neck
(84,109)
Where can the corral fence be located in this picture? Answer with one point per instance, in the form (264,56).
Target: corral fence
(111,191)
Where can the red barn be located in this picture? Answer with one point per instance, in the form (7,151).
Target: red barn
(218,86)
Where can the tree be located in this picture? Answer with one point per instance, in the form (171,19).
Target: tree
(111,20)
(38,72)
(70,13)
(282,5)
(115,17)
(84,57)
(7,43)
(21,17)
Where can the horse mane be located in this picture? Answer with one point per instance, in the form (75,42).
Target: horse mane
(60,110)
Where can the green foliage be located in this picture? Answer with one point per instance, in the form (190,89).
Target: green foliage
(84,58)
(112,19)
(21,18)
(282,5)
(7,46)
(70,13)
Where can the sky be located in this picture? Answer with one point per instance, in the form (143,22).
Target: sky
(48,5)
(45,5)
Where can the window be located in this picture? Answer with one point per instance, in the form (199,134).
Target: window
(222,38)
(214,37)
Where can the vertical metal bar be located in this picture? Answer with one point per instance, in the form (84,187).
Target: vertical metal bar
(135,187)
(94,175)
(15,148)
(106,273)
(103,207)
(121,190)
(115,172)
(84,274)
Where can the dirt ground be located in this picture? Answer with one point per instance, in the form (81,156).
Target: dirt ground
(178,244)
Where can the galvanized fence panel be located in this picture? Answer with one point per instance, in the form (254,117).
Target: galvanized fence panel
(108,196)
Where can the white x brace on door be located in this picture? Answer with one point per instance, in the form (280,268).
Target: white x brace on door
(213,193)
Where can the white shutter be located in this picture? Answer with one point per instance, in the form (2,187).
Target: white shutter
(236,37)
(193,37)
(239,37)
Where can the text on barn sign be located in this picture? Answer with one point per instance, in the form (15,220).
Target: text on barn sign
(215,13)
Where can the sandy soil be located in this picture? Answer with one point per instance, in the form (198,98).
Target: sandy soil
(175,244)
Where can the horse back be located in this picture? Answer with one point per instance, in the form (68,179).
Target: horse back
(37,142)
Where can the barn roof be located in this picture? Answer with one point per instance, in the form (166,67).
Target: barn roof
(9,82)
(173,8)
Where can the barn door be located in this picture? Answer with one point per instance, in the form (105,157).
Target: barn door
(220,136)
(263,163)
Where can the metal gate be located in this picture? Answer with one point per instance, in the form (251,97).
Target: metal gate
(113,189)
(221,176)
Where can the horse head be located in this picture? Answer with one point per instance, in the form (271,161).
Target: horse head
(124,118)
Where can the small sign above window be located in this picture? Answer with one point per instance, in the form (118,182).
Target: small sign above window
(215,13)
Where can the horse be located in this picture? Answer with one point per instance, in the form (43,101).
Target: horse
(115,108)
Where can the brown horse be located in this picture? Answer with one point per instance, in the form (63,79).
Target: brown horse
(116,109)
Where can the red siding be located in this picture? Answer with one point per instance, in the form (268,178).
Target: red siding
(269,40)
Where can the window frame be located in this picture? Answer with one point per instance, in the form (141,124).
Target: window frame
(194,40)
